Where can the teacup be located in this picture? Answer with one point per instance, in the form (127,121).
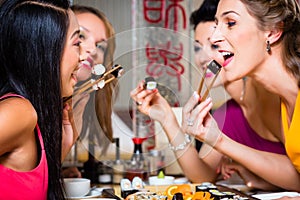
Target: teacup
(77,187)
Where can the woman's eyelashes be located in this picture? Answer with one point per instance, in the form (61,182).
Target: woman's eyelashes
(81,36)
(231,23)
(77,43)
(197,49)
(102,46)
(214,46)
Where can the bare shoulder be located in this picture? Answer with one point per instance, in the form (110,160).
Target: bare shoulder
(18,118)
(15,106)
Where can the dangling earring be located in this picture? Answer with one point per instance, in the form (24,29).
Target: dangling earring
(268,46)
(244,89)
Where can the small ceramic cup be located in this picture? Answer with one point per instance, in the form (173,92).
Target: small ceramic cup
(77,187)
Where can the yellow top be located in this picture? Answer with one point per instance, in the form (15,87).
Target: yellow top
(292,133)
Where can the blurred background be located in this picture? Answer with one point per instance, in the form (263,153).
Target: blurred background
(153,38)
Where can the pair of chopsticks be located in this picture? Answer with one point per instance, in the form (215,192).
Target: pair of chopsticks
(92,84)
(215,68)
(88,85)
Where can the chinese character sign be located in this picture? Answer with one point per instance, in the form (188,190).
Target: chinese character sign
(163,38)
(168,14)
(163,50)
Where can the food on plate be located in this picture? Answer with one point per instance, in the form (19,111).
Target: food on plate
(146,195)
(204,191)
(184,189)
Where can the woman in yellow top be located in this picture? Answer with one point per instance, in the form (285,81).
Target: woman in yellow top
(259,39)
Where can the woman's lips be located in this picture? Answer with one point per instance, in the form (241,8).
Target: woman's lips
(227,61)
(227,55)
(209,75)
(86,64)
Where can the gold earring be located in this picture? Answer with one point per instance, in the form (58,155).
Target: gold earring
(268,46)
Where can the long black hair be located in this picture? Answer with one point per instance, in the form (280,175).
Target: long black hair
(31,47)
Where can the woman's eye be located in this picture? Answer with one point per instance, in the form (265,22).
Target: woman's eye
(101,47)
(77,43)
(214,46)
(230,24)
(197,49)
(81,36)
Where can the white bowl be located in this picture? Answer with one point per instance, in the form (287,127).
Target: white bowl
(77,187)
(167,180)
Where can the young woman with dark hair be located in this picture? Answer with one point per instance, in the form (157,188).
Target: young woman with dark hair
(39,52)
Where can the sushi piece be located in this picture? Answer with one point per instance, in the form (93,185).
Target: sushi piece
(150,83)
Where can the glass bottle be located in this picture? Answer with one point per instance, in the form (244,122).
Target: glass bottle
(90,168)
(118,164)
(137,166)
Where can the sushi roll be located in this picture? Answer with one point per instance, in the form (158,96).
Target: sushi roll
(150,83)
(217,195)
(201,188)
(137,183)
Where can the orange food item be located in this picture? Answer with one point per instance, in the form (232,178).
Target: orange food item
(171,190)
(201,196)
(184,189)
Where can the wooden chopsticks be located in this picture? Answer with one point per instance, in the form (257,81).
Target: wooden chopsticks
(89,86)
(214,67)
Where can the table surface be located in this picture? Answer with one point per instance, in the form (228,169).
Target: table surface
(163,188)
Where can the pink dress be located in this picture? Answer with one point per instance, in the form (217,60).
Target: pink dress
(231,119)
(31,185)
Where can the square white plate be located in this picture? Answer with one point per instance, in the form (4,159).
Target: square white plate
(275,195)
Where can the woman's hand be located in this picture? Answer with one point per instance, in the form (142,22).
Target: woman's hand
(67,130)
(197,121)
(71,172)
(72,121)
(79,101)
(228,167)
(151,103)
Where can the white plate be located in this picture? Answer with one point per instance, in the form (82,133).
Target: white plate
(93,193)
(276,195)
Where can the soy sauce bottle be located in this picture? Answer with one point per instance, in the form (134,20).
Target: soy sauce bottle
(137,155)
(137,166)
(90,168)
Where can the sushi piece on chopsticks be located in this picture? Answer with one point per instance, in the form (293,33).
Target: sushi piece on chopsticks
(98,80)
(97,72)
(99,83)
(215,68)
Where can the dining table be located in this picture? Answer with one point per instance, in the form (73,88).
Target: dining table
(115,190)
(242,192)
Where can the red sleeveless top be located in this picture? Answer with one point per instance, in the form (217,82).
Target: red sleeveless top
(31,185)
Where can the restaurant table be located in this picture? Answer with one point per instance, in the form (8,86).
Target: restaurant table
(244,194)
(162,188)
